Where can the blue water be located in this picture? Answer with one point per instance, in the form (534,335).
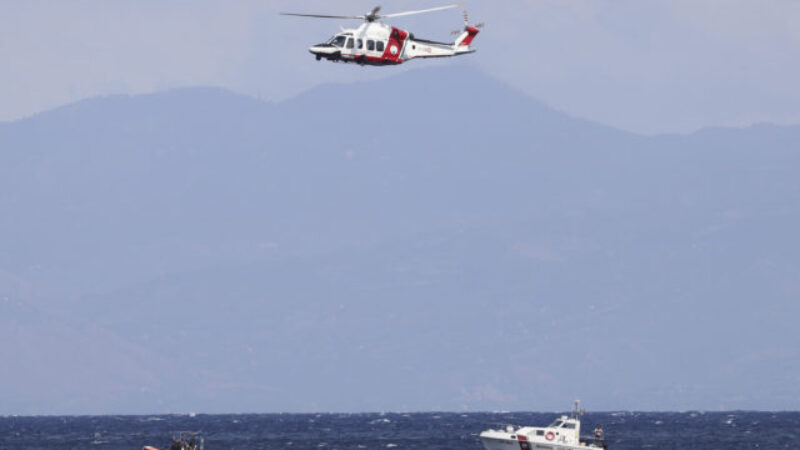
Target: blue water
(624,431)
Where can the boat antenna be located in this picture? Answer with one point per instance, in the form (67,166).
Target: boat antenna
(576,410)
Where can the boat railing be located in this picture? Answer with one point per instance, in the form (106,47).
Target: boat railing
(504,425)
(591,440)
(187,440)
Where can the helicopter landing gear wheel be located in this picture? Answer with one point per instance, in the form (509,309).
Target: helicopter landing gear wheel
(319,57)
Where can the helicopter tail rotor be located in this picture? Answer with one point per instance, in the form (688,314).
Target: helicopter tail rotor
(466,36)
(467,27)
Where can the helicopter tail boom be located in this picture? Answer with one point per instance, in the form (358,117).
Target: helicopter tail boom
(420,48)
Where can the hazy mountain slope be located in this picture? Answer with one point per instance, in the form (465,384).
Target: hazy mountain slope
(435,240)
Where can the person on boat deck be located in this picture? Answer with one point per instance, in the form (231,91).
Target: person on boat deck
(599,436)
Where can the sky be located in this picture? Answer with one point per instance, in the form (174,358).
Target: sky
(649,67)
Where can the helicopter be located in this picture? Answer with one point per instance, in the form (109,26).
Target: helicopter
(377,44)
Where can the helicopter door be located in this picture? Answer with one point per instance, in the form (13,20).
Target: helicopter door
(349,46)
(372,48)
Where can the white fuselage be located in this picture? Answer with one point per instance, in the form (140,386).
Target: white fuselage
(380,44)
(369,40)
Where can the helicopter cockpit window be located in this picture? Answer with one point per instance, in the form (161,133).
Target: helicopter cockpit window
(338,41)
(349,42)
(371,45)
(380,46)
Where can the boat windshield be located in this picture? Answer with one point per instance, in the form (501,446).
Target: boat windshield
(556,424)
(338,41)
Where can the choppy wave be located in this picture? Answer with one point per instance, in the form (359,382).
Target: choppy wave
(624,430)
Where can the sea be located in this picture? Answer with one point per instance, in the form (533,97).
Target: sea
(399,431)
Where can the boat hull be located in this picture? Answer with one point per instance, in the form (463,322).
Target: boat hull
(509,444)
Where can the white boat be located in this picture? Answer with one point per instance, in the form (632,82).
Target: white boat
(563,434)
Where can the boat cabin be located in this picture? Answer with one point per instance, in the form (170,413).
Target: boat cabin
(564,430)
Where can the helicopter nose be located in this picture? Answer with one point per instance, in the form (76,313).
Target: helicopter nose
(322,50)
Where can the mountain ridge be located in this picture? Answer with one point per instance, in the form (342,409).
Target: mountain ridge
(375,255)
(453,71)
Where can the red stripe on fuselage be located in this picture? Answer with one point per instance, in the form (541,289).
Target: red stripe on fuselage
(371,60)
(397,38)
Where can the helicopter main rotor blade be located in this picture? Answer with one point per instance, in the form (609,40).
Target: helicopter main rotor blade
(323,16)
(421,11)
